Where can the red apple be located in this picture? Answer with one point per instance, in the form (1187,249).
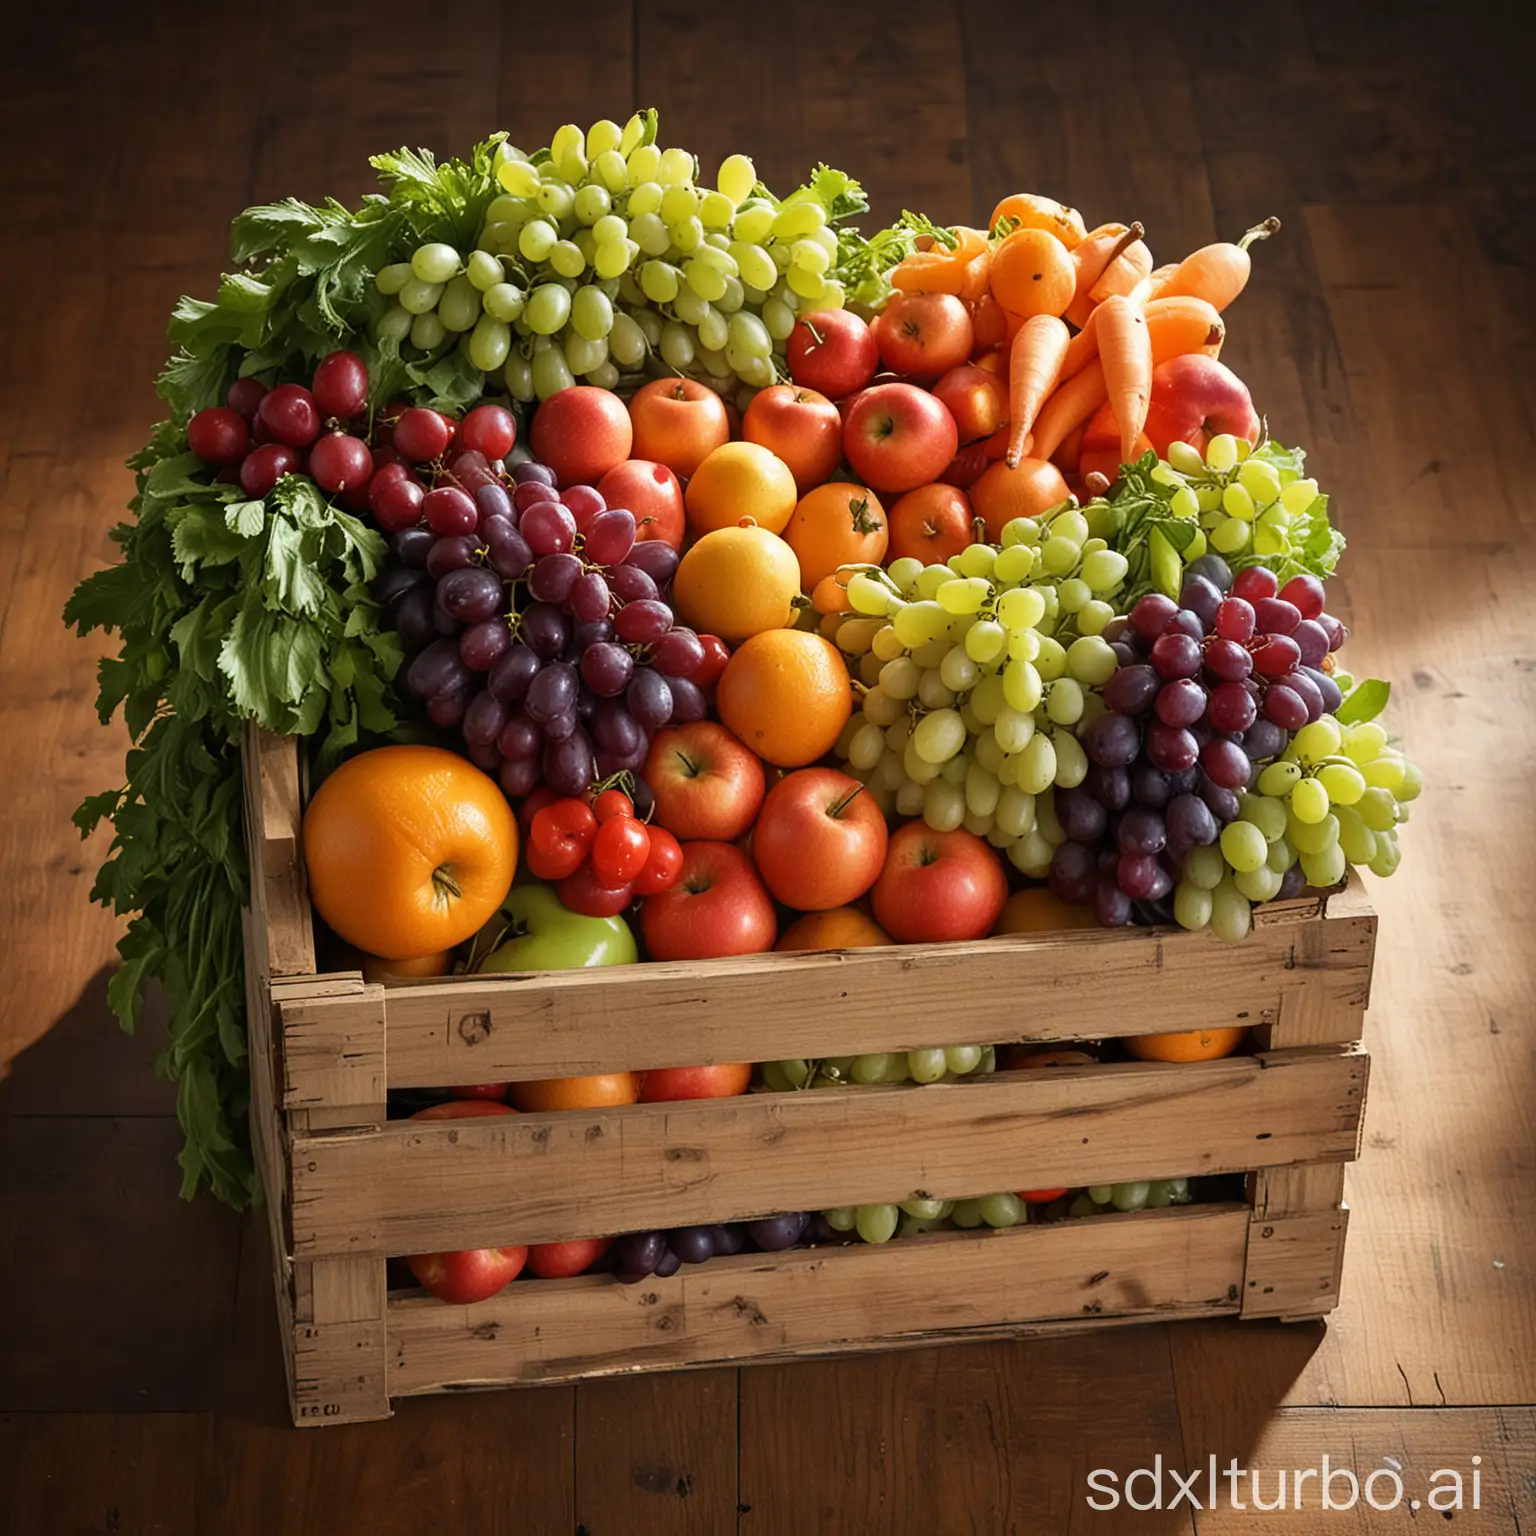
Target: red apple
(976,398)
(705,782)
(938,886)
(898,437)
(679,423)
(651,491)
(581,433)
(922,335)
(1195,398)
(832,351)
(799,425)
(471,1275)
(559,1261)
(718,907)
(492,1092)
(721,1081)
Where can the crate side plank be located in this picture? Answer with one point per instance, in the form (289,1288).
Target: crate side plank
(1294,1264)
(1076,986)
(274,811)
(418,1187)
(812,1301)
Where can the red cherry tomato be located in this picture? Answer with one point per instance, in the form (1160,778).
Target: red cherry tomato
(531,807)
(620,849)
(611,803)
(716,654)
(663,866)
(583,892)
(560,838)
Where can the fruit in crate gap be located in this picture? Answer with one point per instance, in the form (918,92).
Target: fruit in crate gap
(581,433)
(559,1261)
(898,437)
(801,427)
(1040,910)
(820,840)
(475,1274)
(388,972)
(787,695)
(976,398)
(490,1092)
(1030,1058)
(938,886)
(833,352)
(1193,399)
(663,1085)
(677,422)
(738,481)
(1187,1045)
(409,850)
(652,492)
(923,335)
(737,582)
(477,1108)
(600,1090)
(834,525)
(718,907)
(841,928)
(932,524)
(532,931)
(706,785)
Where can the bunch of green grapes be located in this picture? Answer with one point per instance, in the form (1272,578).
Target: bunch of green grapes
(1134,1195)
(1335,797)
(605,254)
(977,676)
(880,1223)
(932,1065)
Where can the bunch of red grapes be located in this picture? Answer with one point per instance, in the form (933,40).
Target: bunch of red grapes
(1208,690)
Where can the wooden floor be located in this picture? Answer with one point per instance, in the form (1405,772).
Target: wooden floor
(1391,328)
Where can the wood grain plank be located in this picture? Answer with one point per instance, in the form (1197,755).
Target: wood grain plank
(373,1192)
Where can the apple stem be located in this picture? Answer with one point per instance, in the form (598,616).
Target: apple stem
(837,807)
(1262,231)
(978,530)
(443,883)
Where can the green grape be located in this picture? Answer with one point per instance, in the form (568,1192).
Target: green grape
(1364,743)
(1015,811)
(750,334)
(938,735)
(931,692)
(926,1066)
(1387,857)
(611,171)
(1231,536)
(909,797)
(1022,686)
(966,1214)
(518,177)
(1309,800)
(675,167)
(605,376)
(1064,704)
(659,281)
(1260,480)
(705,280)
(518,377)
(584,356)
(1037,765)
(1279,778)
(1013,564)
(1205,867)
(1237,502)
(754,264)
(1266,814)
(867,747)
(687,235)
(434,263)
(985,641)
(1261,884)
(592,315)
(591,203)
(1073,594)
(489,343)
(1355,838)
(737,178)
(418,297)
(1071,760)
(1104,569)
(1344,784)
(880,708)
(857,635)
(678,202)
(841,1218)
(566,258)
(613,259)
(1020,608)
(427,331)
(1231,914)
(1322,738)
(626,341)
(1389,771)
(1131,1196)
(391,279)
(650,234)
(1058,555)
(460,305)
(691,309)
(572,167)
(1314,836)
(958,671)
(1221,453)
(1281,855)
(1324,868)
(1378,810)
(1185,458)
(962,1059)
(1191,906)
(536,239)
(1001,1210)
(547,309)
(982,790)
(394,324)
(887,643)
(556,200)
(1298,496)
(551,373)
(872,1068)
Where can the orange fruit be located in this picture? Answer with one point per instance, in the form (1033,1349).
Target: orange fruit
(1188,1045)
(595,1092)
(737,582)
(409,851)
(786,694)
(836,524)
(1040,910)
(386,971)
(1003,494)
(1035,212)
(740,480)
(841,928)
(1032,274)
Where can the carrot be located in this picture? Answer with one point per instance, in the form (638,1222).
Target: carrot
(1029,210)
(1175,326)
(1034,365)
(1091,257)
(1216,273)
(1066,456)
(937,269)
(1150,283)
(1125,350)
(1072,403)
(1083,347)
(1123,273)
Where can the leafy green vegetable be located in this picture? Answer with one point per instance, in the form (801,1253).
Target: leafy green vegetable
(1364,701)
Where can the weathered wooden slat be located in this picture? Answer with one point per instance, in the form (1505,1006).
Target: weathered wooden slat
(816,1301)
(274,818)
(1066,986)
(1293,1264)
(419,1187)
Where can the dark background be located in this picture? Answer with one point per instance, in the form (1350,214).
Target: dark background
(1389,328)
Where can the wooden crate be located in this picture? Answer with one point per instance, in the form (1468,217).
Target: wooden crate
(347,1188)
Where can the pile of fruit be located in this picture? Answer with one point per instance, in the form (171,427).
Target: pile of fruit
(665,571)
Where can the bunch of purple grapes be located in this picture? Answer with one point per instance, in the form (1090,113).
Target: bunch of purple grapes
(1208,689)
(640,1254)
(536,626)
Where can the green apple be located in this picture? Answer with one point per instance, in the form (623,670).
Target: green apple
(543,936)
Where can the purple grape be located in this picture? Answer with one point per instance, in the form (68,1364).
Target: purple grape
(1125,655)
(1235,619)
(1202,598)
(1332,694)
(1111,906)
(492,500)
(1228,661)
(1171,748)
(614,730)
(1110,786)
(471,470)
(606,669)
(608,764)
(1116,629)
(562,726)
(693,1245)
(518,777)
(587,703)
(1074,873)
(1150,786)
(1151,614)
(470,596)
(585,635)
(508,552)
(553,576)
(530,473)
(548,527)
(649,697)
(413,619)
(392,586)
(1140,876)
(1082,818)
(486,759)
(610,537)
(642,622)
(552,693)
(1187,624)
(484,719)
(773,1234)
(1285,707)
(630,584)
(1214,569)
(1225,763)
(1275,616)
(678,653)
(1336,632)
(1181,702)
(688,701)
(568,764)
(544,629)
(1305,592)
(1276,656)
(1141,830)
(519,740)
(437,670)
(1311,695)
(511,675)
(1292,884)
(1113,740)
(729,1237)
(444,623)
(1190,822)
(637,1253)
(669,1265)
(447,709)
(1312,641)
(1222,802)
(482,645)
(411,546)
(1131,690)
(1231,709)
(1264,740)
(455,554)
(589,597)
(659,561)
